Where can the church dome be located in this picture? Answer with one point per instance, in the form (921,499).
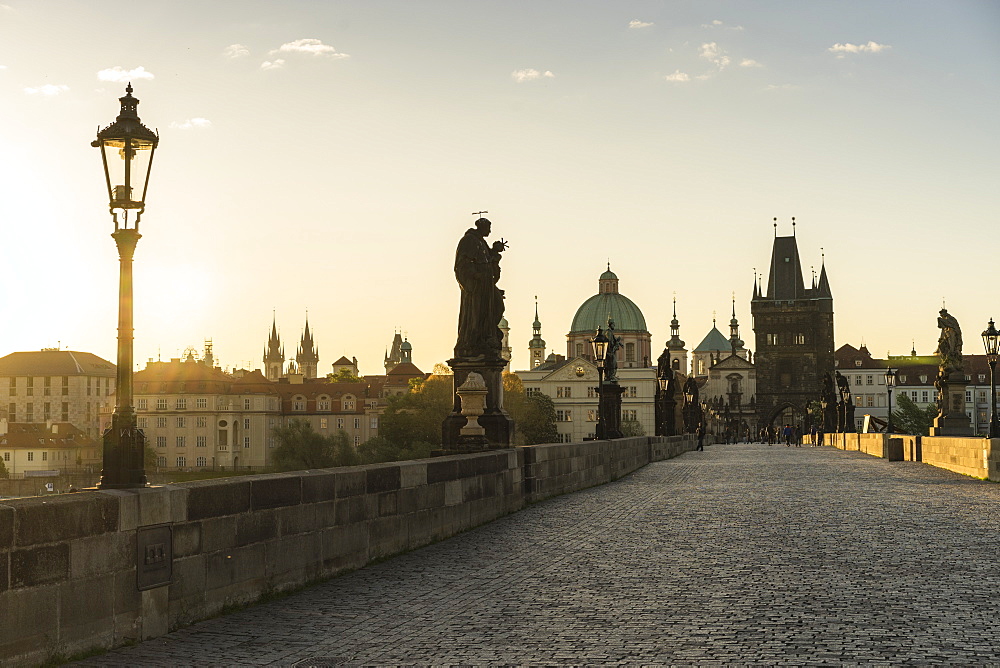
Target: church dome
(608,303)
(503,323)
(406,345)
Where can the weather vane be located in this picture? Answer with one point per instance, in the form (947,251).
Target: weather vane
(478,213)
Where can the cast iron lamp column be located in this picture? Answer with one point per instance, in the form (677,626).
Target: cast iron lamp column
(127,148)
(600,344)
(991,339)
(890,380)
(662,382)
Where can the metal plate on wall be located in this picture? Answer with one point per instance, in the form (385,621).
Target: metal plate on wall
(154,557)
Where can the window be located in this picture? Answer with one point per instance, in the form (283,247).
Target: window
(968,395)
(161,423)
(579,350)
(31,387)
(532,391)
(246,404)
(30,412)
(181,422)
(201,441)
(223,439)
(31,456)
(246,441)
(201,421)
(12,412)
(800,339)
(357,441)
(590,392)
(982,378)
(629,352)
(161,404)
(373,422)
(869,380)
(902,379)
(772,339)
(6,456)
(180,404)
(181,441)
(65,411)
(923,396)
(871,400)
(141,404)
(632,391)
(348,403)
(201,461)
(857,362)
(357,423)
(298,403)
(323,404)
(47,386)
(46,411)
(630,415)
(564,416)
(142,422)
(324,423)
(161,461)
(161,441)
(340,423)
(201,403)
(45,456)
(246,423)
(181,461)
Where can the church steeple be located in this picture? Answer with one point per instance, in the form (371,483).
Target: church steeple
(274,354)
(734,330)
(678,354)
(307,354)
(536,347)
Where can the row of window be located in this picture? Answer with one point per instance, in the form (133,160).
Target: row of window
(45,455)
(93,386)
(566,392)
(29,412)
(785,339)
(567,415)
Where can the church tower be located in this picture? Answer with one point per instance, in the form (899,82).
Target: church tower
(394,355)
(793,329)
(307,354)
(536,347)
(678,353)
(406,352)
(505,350)
(734,332)
(274,355)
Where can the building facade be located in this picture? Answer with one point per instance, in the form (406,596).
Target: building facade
(52,385)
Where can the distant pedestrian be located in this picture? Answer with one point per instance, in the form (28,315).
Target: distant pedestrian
(787,432)
(701,437)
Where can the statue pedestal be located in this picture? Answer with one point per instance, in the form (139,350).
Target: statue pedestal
(951,419)
(498,425)
(611,403)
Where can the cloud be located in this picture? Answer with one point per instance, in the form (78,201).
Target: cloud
(196,123)
(678,76)
(871,47)
(311,47)
(121,75)
(277,64)
(719,24)
(48,90)
(780,86)
(520,76)
(234,51)
(711,52)
(6,8)
(635,24)
(749,62)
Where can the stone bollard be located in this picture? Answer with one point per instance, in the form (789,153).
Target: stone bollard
(472,394)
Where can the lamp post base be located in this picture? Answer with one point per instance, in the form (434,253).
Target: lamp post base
(124,452)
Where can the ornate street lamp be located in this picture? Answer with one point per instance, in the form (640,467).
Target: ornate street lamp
(890,380)
(600,344)
(662,383)
(991,340)
(127,148)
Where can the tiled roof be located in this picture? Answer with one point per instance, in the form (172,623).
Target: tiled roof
(55,363)
(39,434)
(343,361)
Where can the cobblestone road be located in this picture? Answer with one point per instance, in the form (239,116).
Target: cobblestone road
(740,554)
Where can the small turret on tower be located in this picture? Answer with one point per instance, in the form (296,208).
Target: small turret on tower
(678,353)
(536,347)
(307,354)
(274,354)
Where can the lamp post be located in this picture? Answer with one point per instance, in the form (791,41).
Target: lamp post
(600,344)
(991,339)
(662,382)
(890,380)
(127,148)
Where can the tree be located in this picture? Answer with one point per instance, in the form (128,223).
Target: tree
(912,419)
(416,417)
(4,473)
(149,457)
(381,449)
(343,376)
(632,428)
(344,452)
(299,447)
(534,416)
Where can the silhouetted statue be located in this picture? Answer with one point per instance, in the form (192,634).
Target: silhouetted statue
(611,357)
(828,397)
(949,344)
(477,269)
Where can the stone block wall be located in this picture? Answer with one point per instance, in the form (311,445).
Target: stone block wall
(978,457)
(70,565)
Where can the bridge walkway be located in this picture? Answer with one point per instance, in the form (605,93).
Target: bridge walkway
(738,554)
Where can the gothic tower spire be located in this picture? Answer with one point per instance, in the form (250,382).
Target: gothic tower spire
(274,353)
(536,347)
(307,355)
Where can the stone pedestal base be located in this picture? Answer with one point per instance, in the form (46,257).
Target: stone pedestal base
(952,420)
(611,406)
(498,424)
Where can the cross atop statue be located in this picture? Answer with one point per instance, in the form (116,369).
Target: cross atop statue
(479,213)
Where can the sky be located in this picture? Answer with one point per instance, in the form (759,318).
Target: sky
(325,157)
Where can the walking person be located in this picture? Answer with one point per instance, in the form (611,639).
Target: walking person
(787,432)
(701,437)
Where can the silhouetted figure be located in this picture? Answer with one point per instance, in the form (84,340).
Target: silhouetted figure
(477,269)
